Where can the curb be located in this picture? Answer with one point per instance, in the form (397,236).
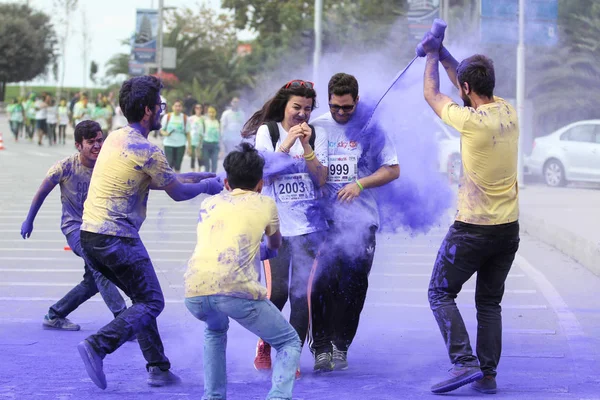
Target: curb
(582,250)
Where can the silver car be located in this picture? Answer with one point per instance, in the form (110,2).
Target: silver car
(571,153)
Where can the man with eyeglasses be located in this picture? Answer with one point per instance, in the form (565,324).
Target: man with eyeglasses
(359,160)
(126,169)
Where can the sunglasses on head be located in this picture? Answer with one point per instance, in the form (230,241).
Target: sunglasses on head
(337,108)
(299,83)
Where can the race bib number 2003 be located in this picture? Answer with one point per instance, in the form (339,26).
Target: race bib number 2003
(342,169)
(294,187)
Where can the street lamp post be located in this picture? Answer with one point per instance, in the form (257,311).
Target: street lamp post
(318,39)
(521,89)
(159,39)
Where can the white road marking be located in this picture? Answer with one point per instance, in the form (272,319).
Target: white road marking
(582,349)
(154,260)
(65,242)
(57,217)
(463,305)
(402,274)
(28,249)
(142,232)
(421,290)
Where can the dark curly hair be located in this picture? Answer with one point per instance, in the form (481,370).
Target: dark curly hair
(87,129)
(138,93)
(244,167)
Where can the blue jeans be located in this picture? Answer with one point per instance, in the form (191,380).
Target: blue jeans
(92,283)
(260,317)
(126,263)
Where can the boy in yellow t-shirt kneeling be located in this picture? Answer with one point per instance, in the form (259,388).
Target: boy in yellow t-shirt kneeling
(222,278)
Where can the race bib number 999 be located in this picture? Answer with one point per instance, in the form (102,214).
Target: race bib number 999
(294,187)
(342,169)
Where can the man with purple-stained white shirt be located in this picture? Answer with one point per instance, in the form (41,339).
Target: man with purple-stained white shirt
(73,175)
(360,159)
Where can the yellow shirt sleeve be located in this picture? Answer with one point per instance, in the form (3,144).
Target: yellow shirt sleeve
(273,225)
(158,169)
(456,116)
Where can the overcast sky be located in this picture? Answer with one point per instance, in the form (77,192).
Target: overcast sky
(109,22)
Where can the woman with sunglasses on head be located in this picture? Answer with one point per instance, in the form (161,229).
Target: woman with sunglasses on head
(295,192)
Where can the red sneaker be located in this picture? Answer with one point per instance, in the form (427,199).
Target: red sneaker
(262,361)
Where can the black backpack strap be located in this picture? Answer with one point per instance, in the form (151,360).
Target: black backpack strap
(313,137)
(273,132)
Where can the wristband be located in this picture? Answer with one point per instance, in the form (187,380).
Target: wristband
(311,156)
(361,187)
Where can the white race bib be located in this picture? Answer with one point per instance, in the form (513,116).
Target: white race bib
(294,187)
(342,169)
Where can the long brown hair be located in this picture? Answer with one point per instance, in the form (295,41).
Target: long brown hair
(274,108)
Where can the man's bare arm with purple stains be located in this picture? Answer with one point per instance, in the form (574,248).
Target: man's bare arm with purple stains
(431,84)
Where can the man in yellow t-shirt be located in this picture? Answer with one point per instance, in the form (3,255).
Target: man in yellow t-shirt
(127,167)
(222,278)
(485,235)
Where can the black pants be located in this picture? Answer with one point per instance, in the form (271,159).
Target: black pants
(296,254)
(126,263)
(210,155)
(51,134)
(489,251)
(340,287)
(30,127)
(175,156)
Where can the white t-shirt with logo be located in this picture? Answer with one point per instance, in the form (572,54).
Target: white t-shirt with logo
(40,112)
(347,163)
(294,192)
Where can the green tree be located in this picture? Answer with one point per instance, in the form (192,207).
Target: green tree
(117,67)
(27,42)
(562,87)
(280,24)
(93,71)
(207,63)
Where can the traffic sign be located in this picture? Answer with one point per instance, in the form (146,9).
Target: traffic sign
(500,22)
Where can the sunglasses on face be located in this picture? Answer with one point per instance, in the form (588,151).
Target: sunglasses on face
(337,108)
(299,83)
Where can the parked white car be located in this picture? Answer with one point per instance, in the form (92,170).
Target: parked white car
(449,161)
(571,153)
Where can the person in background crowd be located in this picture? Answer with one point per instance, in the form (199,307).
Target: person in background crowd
(212,139)
(51,120)
(63,121)
(197,137)
(232,122)
(16,114)
(176,131)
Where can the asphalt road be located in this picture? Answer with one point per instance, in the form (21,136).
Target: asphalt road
(551,314)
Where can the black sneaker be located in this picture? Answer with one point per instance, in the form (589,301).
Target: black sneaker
(158,377)
(486,385)
(340,359)
(61,324)
(459,376)
(93,363)
(324,362)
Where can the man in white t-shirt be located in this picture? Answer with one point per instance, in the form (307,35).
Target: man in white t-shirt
(40,117)
(359,159)
(232,121)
